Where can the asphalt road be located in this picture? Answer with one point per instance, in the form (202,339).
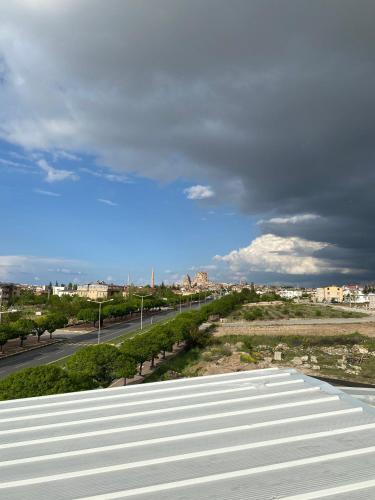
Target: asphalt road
(73,342)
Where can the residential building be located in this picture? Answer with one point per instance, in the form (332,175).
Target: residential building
(290,294)
(62,291)
(6,293)
(332,293)
(98,290)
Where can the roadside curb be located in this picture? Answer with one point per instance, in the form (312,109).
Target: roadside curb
(30,349)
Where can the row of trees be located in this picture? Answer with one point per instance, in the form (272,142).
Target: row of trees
(121,309)
(98,365)
(78,308)
(23,327)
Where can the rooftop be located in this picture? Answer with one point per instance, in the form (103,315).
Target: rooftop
(262,434)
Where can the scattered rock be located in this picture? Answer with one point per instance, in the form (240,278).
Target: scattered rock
(335,351)
(315,367)
(304,358)
(353,370)
(313,359)
(297,361)
(282,347)
(359,349)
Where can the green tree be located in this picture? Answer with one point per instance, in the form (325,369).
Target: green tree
(139,348)
(165,337)
(24,327)
(41,325)
(88,315)
(40,381)
(6,333)
(101,363)
(55,321)
(125,367)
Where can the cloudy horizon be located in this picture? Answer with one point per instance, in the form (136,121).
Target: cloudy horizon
(235,136)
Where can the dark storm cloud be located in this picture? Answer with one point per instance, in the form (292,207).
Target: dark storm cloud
(272,103)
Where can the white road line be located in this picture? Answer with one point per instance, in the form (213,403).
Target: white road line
(232,475)
(346,488)
(164,410)
(166,423)
(125,395)
(154,384)
(145,402)
(149,442)
(190,456)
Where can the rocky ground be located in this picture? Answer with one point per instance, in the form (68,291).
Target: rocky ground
(354,363)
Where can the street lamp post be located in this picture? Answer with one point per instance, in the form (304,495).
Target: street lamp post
(100,302)
(142,297)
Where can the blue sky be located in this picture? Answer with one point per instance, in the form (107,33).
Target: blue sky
(167,111)
(103,225)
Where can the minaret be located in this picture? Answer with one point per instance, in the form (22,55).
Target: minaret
(152,278)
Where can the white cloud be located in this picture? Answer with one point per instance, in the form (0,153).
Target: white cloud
(13,166)
(199,192)
(13,267)
(46,193)
(54,174)
(65,155)
(107,202)
(108,176)
(294,219)
(276,254)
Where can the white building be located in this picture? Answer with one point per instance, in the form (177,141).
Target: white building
(290,294)
(371,300)
(62,291)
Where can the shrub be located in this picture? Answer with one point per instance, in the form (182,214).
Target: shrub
(217,353)
(40,381)
(247,358)
(101,364)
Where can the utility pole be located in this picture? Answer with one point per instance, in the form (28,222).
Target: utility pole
(100,302)
(142,297)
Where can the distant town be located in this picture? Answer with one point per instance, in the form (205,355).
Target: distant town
(352,294)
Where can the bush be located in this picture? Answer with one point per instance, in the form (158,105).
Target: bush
(41,381)
(247,358)
(247,344)
(217,353)
(101,364)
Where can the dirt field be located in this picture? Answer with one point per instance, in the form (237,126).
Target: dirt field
(367,329)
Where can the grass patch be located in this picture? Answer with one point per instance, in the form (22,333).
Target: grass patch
(253,341)
(181,363)
(291,310)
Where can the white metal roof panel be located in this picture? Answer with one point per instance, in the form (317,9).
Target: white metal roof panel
(261,434)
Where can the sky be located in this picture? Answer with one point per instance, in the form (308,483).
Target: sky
(232,137)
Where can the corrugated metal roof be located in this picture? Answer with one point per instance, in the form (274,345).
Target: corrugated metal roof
(262,434)
(365,394)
